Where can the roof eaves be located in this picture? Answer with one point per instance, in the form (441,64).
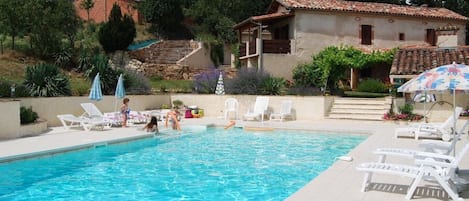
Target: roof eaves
(385,13)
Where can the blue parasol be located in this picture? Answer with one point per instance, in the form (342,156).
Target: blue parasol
(95,91)
(120,90)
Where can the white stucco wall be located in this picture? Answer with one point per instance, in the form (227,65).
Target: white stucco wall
(10,119)
(315,31)
(49,108)
(305,107)
(311,32)
(281,65)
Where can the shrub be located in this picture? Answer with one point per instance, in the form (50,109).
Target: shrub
(206,82)
(405,113)
(108,76)
(27,115)
(373,86)
(177,104)
(273,86)
(304,91)
(247,81)
(136,83)
(406,109)
(46,80)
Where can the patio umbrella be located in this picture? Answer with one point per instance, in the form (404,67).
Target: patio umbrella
(120,90)
(220,89)
(95,92)
(447,78)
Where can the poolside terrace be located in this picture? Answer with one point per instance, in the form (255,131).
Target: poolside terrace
(340,182)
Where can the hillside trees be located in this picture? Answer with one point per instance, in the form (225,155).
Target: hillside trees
(87,5)
(118,32)
(166,18)
(48,22)
(11,16)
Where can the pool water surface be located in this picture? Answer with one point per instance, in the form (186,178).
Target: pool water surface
(215,164)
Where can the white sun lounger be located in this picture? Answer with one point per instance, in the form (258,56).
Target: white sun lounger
(432,146)
(69,120)
(444,173)
(435,130)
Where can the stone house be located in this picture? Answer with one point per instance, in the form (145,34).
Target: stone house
(301,28)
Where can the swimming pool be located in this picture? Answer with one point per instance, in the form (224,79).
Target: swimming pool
(211,165)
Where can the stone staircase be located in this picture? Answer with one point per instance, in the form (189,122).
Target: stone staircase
(164,52)
(360,108)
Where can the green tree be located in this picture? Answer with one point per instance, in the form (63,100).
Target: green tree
(48,23)
(166,18)
(118,32)
(87,5)
(12,17)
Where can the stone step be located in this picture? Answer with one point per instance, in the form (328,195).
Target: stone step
(360,108)
(360,102)
(374,117)
(373,107)
(357,111)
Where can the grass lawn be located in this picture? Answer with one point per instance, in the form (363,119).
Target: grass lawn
(175,86)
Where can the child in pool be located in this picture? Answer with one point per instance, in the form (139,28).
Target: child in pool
(173,116)
(152,126)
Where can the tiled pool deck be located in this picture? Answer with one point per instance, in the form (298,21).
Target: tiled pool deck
(340,182)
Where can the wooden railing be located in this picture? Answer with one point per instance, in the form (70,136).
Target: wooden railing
(276,46)
(269,46)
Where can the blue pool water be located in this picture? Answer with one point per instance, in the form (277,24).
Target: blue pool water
(212,165)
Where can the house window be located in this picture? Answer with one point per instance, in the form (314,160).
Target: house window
(430,38)
(366,34)
(401,36)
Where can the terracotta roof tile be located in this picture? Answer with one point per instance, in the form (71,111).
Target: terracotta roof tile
(371,7)
(415,60)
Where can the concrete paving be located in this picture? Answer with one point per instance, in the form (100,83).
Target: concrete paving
(340,182)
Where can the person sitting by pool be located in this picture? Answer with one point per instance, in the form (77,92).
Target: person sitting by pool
(231,124)
(173,116)
(152,126)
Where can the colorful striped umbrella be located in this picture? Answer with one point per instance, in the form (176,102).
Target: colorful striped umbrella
(220,89)
(452,77)
(95,92)
(448,78)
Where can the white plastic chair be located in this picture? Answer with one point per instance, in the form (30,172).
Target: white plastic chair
(430,129)
(231,105)
(260,109)
(436,170)
(285,111)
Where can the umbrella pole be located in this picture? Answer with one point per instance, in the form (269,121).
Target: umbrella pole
(425,107)
(455,138)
